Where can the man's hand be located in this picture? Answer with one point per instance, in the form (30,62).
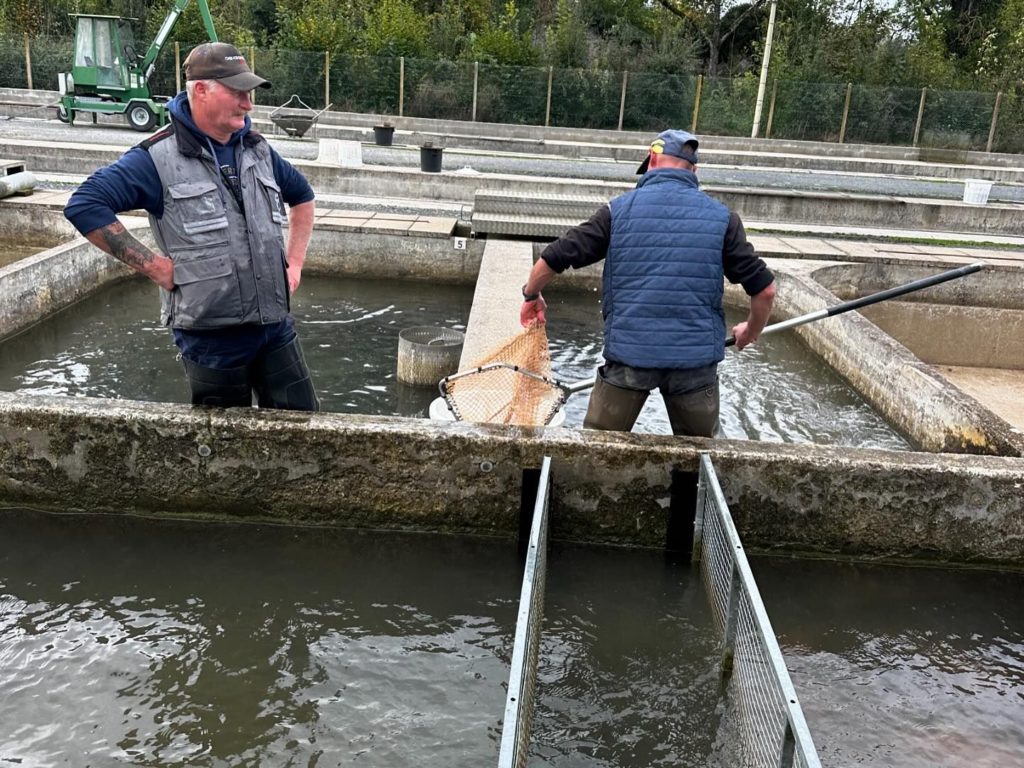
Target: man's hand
(744,335)
(532,312)
(162,272)
(294,277)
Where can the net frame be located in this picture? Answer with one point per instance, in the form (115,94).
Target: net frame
(511,384)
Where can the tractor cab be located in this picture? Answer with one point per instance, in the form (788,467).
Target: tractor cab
(104,47)
(108,76)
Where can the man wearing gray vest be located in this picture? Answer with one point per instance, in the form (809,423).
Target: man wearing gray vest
(667,248)
(216,193)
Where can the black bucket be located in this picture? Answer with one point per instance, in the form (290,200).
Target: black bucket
(430,158)
(382,135)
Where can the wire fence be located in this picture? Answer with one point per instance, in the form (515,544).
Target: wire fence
(639,101)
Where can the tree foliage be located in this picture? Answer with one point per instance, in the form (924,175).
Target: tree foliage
(950,44)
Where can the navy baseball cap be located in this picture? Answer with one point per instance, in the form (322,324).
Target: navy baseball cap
(681,144)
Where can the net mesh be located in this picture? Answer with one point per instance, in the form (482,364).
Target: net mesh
(519,393)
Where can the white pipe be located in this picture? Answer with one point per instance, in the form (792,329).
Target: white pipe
(17,184)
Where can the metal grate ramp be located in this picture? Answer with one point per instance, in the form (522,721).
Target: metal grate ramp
(547,216)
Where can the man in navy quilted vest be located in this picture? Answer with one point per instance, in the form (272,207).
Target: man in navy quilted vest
(668,248)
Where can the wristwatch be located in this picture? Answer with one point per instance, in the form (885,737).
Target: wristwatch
(530,296)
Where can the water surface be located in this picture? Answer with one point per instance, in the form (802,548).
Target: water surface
(139,642)
(111,345)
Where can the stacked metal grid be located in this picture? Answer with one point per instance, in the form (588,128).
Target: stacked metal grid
(519,704)
(763,718)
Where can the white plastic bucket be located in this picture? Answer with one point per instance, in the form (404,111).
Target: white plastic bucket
(976,191)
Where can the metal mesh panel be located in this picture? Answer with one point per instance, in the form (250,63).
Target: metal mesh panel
(727,106)
(290,72)
(956,119)
(511,94)
(656,101)
(440,89)
(808,111)
(882,115)
(365,84)
(764,724)
(515,735)
(12,64)
(585,98)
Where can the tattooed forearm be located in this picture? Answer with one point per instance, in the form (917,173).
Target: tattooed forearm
(119,243)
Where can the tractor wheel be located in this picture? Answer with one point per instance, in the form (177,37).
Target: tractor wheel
(140,117)
(62,114)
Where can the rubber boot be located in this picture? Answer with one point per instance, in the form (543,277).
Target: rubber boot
(694,414)
(282,379)
(219,387)
(613,408)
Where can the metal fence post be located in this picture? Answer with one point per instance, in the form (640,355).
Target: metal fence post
(696,103)
(252,65)
(846,112)
(995,119)
(177,67)
(547,109)
(476,82)
(327,79)
(28,62)
(401,85)
(920,117)
(771,109)
(622,100)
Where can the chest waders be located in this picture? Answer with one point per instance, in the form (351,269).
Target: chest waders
(279,377)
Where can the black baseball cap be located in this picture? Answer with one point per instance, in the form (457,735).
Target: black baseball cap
(225,64)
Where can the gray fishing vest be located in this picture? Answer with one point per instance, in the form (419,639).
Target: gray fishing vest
(229,265)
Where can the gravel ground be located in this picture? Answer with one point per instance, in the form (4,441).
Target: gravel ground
(536,165)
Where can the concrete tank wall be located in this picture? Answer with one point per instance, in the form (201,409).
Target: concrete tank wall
(332,469)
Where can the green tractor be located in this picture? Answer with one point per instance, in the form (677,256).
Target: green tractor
(109,77)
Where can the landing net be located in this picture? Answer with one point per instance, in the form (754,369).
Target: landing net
(518,391)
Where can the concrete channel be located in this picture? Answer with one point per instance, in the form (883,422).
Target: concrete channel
(121,456)
(959,499)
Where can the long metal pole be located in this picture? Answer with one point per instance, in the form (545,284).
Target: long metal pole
(764,72)
(835,309)
(401,85)
(874,298)
(327,78)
